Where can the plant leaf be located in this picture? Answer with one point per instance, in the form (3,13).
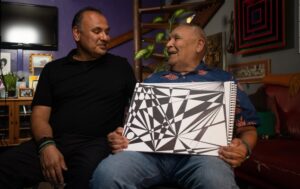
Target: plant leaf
(159,36)
(141,53)
(150,49)
(178,13)
(157,19)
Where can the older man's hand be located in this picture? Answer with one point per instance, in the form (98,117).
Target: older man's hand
(235,153)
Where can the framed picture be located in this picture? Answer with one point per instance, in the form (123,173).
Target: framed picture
(259,25)
(5,62)
(38,61)
(25,92)
(34,84)
(21,84)
(215,51)
(33,79)
(250,72)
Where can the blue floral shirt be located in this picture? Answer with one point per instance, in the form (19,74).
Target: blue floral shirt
(245,114)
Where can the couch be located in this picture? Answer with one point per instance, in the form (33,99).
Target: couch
(275,160)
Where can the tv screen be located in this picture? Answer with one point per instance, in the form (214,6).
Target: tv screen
(25,26)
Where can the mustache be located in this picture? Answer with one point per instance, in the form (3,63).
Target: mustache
(102,43)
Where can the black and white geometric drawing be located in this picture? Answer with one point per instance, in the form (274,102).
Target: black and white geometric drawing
(182,118)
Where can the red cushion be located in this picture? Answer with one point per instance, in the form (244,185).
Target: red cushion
(286,109)
(275,161)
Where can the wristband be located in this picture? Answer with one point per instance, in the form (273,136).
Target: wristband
(43,142)
(249,151)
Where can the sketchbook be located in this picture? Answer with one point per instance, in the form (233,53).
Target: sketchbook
(193,118)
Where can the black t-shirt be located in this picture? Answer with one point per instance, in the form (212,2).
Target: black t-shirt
(87,98)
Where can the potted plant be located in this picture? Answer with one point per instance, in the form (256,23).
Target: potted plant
(9,81)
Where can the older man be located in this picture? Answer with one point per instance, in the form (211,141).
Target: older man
(130,170)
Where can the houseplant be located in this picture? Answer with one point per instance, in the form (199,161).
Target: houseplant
(9,81)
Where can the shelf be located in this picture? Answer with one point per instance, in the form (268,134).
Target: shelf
(158,55)
(25,115)
(157,25)
(27,127)
(123,38)
(21,140)
(152,40)
(12,99)
(166,8)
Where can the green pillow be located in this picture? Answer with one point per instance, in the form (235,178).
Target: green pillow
(267,124)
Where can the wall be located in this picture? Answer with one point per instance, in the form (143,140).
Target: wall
(286,60)
(119,14)
(119,17)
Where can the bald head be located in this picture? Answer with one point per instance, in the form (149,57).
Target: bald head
(186,47)
(198,33)
(79,15)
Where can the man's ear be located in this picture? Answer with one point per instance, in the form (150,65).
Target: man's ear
(76,33)
(200,45)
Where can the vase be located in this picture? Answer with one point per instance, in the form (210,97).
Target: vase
(11,93)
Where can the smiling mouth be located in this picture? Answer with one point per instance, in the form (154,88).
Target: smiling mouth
(172,52)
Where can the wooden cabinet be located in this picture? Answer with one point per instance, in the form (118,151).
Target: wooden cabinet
(14,121)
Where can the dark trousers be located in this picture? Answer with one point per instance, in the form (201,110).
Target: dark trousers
(20,166)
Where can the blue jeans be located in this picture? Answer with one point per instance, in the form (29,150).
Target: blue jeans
(132,170)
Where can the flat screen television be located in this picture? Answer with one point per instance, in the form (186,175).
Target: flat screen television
(25,26)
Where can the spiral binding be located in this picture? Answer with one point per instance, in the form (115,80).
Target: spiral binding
(233,91)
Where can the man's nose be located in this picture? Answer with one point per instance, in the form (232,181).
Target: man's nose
(169,43)
(104,36)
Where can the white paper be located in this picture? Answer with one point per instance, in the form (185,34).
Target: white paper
(183,118)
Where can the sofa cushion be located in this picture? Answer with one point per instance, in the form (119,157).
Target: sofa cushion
(274,161)
(285,107)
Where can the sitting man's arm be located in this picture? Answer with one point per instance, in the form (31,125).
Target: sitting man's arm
(52,161)
(240,148)
(245,137)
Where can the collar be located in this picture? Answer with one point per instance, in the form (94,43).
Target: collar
(71,60)
(200,66)
(70,57)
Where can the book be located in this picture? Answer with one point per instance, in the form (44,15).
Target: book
(195,118)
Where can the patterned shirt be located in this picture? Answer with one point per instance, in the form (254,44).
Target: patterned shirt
(245,114)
